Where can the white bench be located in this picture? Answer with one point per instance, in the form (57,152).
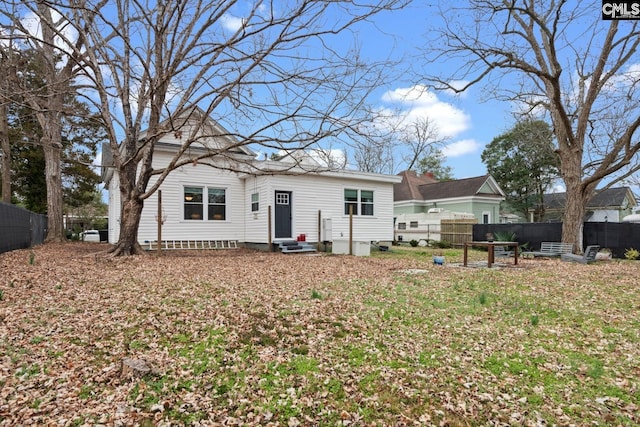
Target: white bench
(550,249)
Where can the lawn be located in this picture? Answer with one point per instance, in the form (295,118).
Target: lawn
(236,337)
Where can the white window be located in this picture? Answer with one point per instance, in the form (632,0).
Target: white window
(255,202)
(282,198)
(194,203)
(360,202)
(217,204)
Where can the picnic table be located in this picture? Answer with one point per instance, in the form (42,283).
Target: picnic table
(491,250)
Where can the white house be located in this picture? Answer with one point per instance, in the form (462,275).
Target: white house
(258,202)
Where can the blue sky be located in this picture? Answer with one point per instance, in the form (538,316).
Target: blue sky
(468,121)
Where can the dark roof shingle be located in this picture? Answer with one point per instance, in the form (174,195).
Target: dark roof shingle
(602,199)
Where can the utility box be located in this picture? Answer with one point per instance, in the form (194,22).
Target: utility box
(327,230)
(359,247)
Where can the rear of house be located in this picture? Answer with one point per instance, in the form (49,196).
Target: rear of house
(204,203)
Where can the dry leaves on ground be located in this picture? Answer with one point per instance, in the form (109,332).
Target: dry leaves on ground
(239,337)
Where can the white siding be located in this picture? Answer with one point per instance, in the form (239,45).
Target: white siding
(175,226)
(311,194)
(256,223)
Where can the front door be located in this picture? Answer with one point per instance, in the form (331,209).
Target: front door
(283,215)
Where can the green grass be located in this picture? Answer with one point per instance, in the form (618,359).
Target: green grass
(366,342)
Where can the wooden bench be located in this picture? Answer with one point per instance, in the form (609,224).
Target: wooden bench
(551,249)
(589,255)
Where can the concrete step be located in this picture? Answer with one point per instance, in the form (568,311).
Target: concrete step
(295,247)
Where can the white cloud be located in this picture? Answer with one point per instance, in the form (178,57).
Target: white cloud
(68,34)
(460,148)
(417,102)
(231,22)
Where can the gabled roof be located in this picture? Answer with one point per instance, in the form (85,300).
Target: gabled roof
(207,133)
(469,187)
(425,187)
(610,197)
(408,189)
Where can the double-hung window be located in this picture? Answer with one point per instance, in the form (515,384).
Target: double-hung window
(195,204)
(217,204)
(255,202)
(360,202)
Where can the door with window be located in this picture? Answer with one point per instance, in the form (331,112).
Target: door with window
(283,215)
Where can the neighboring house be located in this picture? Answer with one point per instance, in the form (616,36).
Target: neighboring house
(426,226)
(480,196)
(611,205)
(257,202)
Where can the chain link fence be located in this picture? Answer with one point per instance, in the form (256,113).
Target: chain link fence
(20,228)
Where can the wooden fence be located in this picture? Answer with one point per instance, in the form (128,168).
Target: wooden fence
(457,231)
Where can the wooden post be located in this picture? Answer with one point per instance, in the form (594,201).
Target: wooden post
(159,219)
(319,228)
(350,229)
(269,227)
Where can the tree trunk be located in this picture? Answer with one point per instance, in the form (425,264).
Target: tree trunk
(573,221)
(130,215)
(578,196)
(52,156)
(5,152)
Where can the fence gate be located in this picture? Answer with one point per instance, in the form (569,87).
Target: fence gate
(457,231)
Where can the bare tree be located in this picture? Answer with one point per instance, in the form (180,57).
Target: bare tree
(393,143)
(561,60)
(46,97)
(375,155)
(373,148)
(7,69)
(268,76)
(420,138)
(5,154)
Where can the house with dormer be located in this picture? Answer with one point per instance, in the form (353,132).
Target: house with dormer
(241,200)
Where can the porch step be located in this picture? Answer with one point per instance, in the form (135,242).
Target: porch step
(191,244)
(294,246)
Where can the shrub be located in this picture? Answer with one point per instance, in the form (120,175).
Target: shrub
(413,243)
(443,244)
(631,254)
(505,236)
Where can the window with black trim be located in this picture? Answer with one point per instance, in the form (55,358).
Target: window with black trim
(193,203)
(255,202)
(359,201)
(195,206)
(217,204)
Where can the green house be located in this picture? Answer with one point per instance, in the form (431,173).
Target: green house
(480,196)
